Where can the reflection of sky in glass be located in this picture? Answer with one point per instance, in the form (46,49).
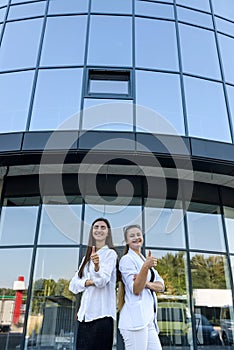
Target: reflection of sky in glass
(60,224)
(224,26)
(199,53)
(64,41)
(205,231)
(230,90)
(20,53)
(206,109)
(57,98)
(154,9)
(227,53)
(229,222)
(14,111)
(111,6)
(151,50)
(224,8)
(18,225)
(65,6)
(27,10)
(195,17)
(56,263)
(110,41)
(198,4)
(17,262)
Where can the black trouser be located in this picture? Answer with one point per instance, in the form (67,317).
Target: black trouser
(95,335)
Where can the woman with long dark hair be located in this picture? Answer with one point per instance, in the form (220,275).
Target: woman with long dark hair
(96,280)
(140,281)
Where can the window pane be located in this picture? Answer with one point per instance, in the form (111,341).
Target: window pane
(224,8)
(51,321)
(174,316)
(227,53)
(154,9)
(112,6)
(149,34)
(27,10)
(157,221)
(60,224)
(64,41)
(230,90)
(67,6)
(107,114)
(23,51)
(12,301)
(211,292)
(207,114)
(229,222)
(18,224)
(161,93)
(199,53)
(224,26)
(57,99)
(14,111)
(108,82)
(198,4)
(2,15)
(195,17)
(205,227)
(18,1)
(110,41)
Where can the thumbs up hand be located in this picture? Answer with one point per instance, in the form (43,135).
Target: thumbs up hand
(95,259)
(150,261)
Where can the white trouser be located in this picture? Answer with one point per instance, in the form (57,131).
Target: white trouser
(142,339)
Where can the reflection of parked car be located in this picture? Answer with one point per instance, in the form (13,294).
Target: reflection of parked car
(174,323)
(206,334)
(227,324)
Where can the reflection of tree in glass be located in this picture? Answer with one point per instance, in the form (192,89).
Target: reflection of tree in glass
(172,268)
(208,272)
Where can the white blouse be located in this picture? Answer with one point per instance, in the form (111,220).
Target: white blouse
(100,300)
(138,310)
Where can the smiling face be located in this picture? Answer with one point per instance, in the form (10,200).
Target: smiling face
(100,232)
(134,238)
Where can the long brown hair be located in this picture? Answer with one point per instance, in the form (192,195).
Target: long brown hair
(121,287)
(91,243)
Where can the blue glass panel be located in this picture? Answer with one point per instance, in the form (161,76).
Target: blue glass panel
(161,93)
(227,53)
(206,109)
(153,9)
(112,6)
(3,2)
(68,6)
(107,114)
(224,26)
(199,52)
(27,10)
(151,50)
(2,14)
(230,90)
(196,4)
(195,17)
(57,99)
(19,1)
(22,52)
(110,41)
(64,41)
(224,8)
(15,91)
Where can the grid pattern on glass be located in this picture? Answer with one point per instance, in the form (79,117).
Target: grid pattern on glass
(108,82)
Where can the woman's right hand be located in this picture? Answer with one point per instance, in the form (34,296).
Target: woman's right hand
(89,283)
(150,261)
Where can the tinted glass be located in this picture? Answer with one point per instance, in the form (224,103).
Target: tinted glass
(198,4)
(194,17)
(64,41)
(14,111)
(224,8)
(154,9)
(110,41)
(230,90)
(23,51)
(111,6)
(227,52)
(229,222)
(149,35)
(27,10)
(107,114)
(2,15)
(205,227)
(68,6)
(205,102)
(224,26)
(161,93)
(57,99)
(199,53)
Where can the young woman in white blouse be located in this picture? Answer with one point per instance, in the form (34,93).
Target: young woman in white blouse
(137,319)
(96,279)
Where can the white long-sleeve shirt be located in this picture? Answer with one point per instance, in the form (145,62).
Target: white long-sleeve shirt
(97,301)
(138,310)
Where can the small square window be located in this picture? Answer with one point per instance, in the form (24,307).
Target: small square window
(108,83)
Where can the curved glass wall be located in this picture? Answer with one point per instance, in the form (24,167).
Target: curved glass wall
(179,54)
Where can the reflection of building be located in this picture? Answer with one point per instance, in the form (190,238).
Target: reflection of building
(172,57)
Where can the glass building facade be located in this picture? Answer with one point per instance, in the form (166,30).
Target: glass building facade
(122,109)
